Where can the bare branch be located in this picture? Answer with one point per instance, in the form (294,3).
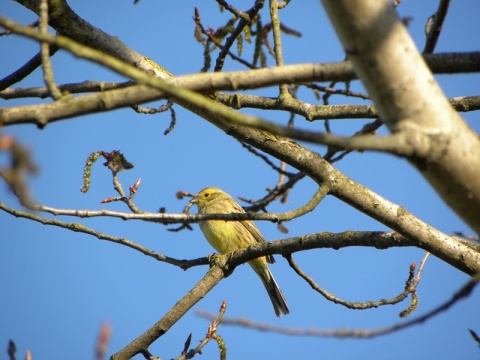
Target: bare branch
(409,288)
(461,294)
(277,44)
(22,73)
(434,26)
(44,50)
(141,343)
(445,149)
(78,227)
(76,88)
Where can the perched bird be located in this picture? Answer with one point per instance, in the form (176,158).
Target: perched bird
(226,236)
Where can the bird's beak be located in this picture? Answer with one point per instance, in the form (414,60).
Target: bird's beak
(194,201)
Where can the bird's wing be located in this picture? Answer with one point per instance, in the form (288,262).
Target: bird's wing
(257,235)
(249,225)
(252,229)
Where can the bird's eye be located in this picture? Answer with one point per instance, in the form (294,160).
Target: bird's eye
(206,195)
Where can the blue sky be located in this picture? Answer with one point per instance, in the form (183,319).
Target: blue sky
(59,286)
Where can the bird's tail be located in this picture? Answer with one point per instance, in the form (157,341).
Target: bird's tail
(278,300)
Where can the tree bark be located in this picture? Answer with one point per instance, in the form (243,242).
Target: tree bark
(410,102)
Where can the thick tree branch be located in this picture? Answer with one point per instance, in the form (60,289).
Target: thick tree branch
(321,112)
(293,74)
(409,101)
(136,95)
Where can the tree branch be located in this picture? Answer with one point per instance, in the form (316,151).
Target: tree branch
(198,292)
(78,227)
(29,67)
(461,294)
(434,26)
(410,101)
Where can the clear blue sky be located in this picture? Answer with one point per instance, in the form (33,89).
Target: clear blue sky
(59,286)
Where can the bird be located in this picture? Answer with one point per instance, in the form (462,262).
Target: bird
(226,236)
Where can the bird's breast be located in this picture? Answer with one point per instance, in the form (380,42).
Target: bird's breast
(222,235)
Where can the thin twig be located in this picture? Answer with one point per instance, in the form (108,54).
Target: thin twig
(434,26)
(234,11)
(211,335)
(217,43)
(332,91)
(78,227)
(73,88)
(462,293)
(20,74)
(255,152)
(277,44)
(353,304)
(236,32)
(44,49)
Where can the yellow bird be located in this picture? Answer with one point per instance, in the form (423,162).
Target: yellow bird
(227,236)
